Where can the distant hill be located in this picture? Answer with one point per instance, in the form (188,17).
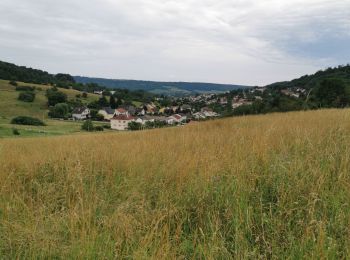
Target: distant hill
(9,71)
(311,81)
(168,88)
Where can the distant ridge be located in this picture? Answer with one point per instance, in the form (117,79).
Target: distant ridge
(157,87)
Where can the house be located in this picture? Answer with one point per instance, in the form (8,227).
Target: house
(290,93)
(210,114)
(131,109)
(107,112)
(98,92)
(177,118)
(240,102)
(80,113)
(150,108)
(199,115)
(144,119)
(121,111)
(121,121)
(223,101)
(185,108)
(206,109)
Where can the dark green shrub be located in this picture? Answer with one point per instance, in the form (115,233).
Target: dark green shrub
(95,115)
(134,126)
(54,97)
(15,131)
(26,120)
(13,83)
(88,126)
(99,128)
(26,96)
(60,110)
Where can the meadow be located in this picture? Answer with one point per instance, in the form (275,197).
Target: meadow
(11,107)
(272,186)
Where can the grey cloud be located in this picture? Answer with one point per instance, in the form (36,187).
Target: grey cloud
(245,42)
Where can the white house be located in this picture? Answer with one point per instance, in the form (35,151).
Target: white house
(210,114)
(121,122)
(223,101)
(144,119)
(177,118)
(107,112)
(81,113)
(199,115)
(98,92)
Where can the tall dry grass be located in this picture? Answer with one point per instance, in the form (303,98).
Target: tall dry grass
(274,186)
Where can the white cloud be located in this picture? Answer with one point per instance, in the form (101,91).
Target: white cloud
(231,41)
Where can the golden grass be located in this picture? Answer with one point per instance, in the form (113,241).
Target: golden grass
(274,186)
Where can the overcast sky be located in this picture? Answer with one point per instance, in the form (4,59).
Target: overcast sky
(251,42)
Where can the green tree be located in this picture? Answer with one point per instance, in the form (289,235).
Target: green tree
(134,126)
(332,93)
(60,110)
(54,97)
(112,102)
(88,126)
(102,102)
(119,102)
(26,96)
(26,120)
(95,115)
(13,83)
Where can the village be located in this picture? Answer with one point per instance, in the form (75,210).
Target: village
(149,114)
(182,110)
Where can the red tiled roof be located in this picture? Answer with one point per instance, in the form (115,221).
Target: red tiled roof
(123,117)
(177,116)
(121,110)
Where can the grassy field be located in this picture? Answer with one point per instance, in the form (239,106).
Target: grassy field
(274,186)
(10,107)
(53,127)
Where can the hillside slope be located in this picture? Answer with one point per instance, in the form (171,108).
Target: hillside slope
(313,80)
(9,71)
(11,107)
(168,88)
(258,187)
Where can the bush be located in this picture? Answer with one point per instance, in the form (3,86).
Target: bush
(26,96)
(88,126)
(332,93)
(95,115)
(15,131)
(99,128)
(106,126)
(84,95)
(60,110)
(26,120)
(13,83)
(134,126)
(54,97)
(25,88)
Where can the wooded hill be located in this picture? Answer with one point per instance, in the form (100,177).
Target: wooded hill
(166,88)
(9,71)
(314,80)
